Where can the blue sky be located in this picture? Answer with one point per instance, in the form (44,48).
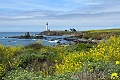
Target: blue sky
(32,15)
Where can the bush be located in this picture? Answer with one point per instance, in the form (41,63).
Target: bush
(7,54)
(81,61)
(29,60)
(20,74)
(66,76)
(34,46)
(100,56)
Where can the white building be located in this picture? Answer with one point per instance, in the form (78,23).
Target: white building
(47,26)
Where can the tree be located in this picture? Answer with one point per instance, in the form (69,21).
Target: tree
(73,30)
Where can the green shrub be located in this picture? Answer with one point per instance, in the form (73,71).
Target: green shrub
(7,54)
(100,58)
(29,60)
(66,76)
(20,74)
(1,70)
(36,45)
(78,47)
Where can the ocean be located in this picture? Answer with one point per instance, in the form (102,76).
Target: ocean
(16,42)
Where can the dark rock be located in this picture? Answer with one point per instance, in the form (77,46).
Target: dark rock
(27,36)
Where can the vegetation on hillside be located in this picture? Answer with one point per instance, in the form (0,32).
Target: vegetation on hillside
(75,62)
(94,34)
(101,34)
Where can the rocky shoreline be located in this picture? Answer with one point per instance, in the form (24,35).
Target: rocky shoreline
(70,37)
(85,37)
(28,36)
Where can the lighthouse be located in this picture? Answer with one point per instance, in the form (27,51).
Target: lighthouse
(47,26)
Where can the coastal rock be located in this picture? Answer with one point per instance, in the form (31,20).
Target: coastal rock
(27,36)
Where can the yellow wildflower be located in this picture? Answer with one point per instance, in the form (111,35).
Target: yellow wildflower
(114,76)
(117,62)
(56,61)
(56,66)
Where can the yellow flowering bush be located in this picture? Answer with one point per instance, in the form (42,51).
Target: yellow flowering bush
(7,54)
(114,76)
(71,62)
(117,62)
(1,70)
(102,61)
(106,51)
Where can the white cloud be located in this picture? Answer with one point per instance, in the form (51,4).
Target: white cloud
(80,13)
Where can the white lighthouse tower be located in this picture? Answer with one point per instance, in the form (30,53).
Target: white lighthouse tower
(47,26)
